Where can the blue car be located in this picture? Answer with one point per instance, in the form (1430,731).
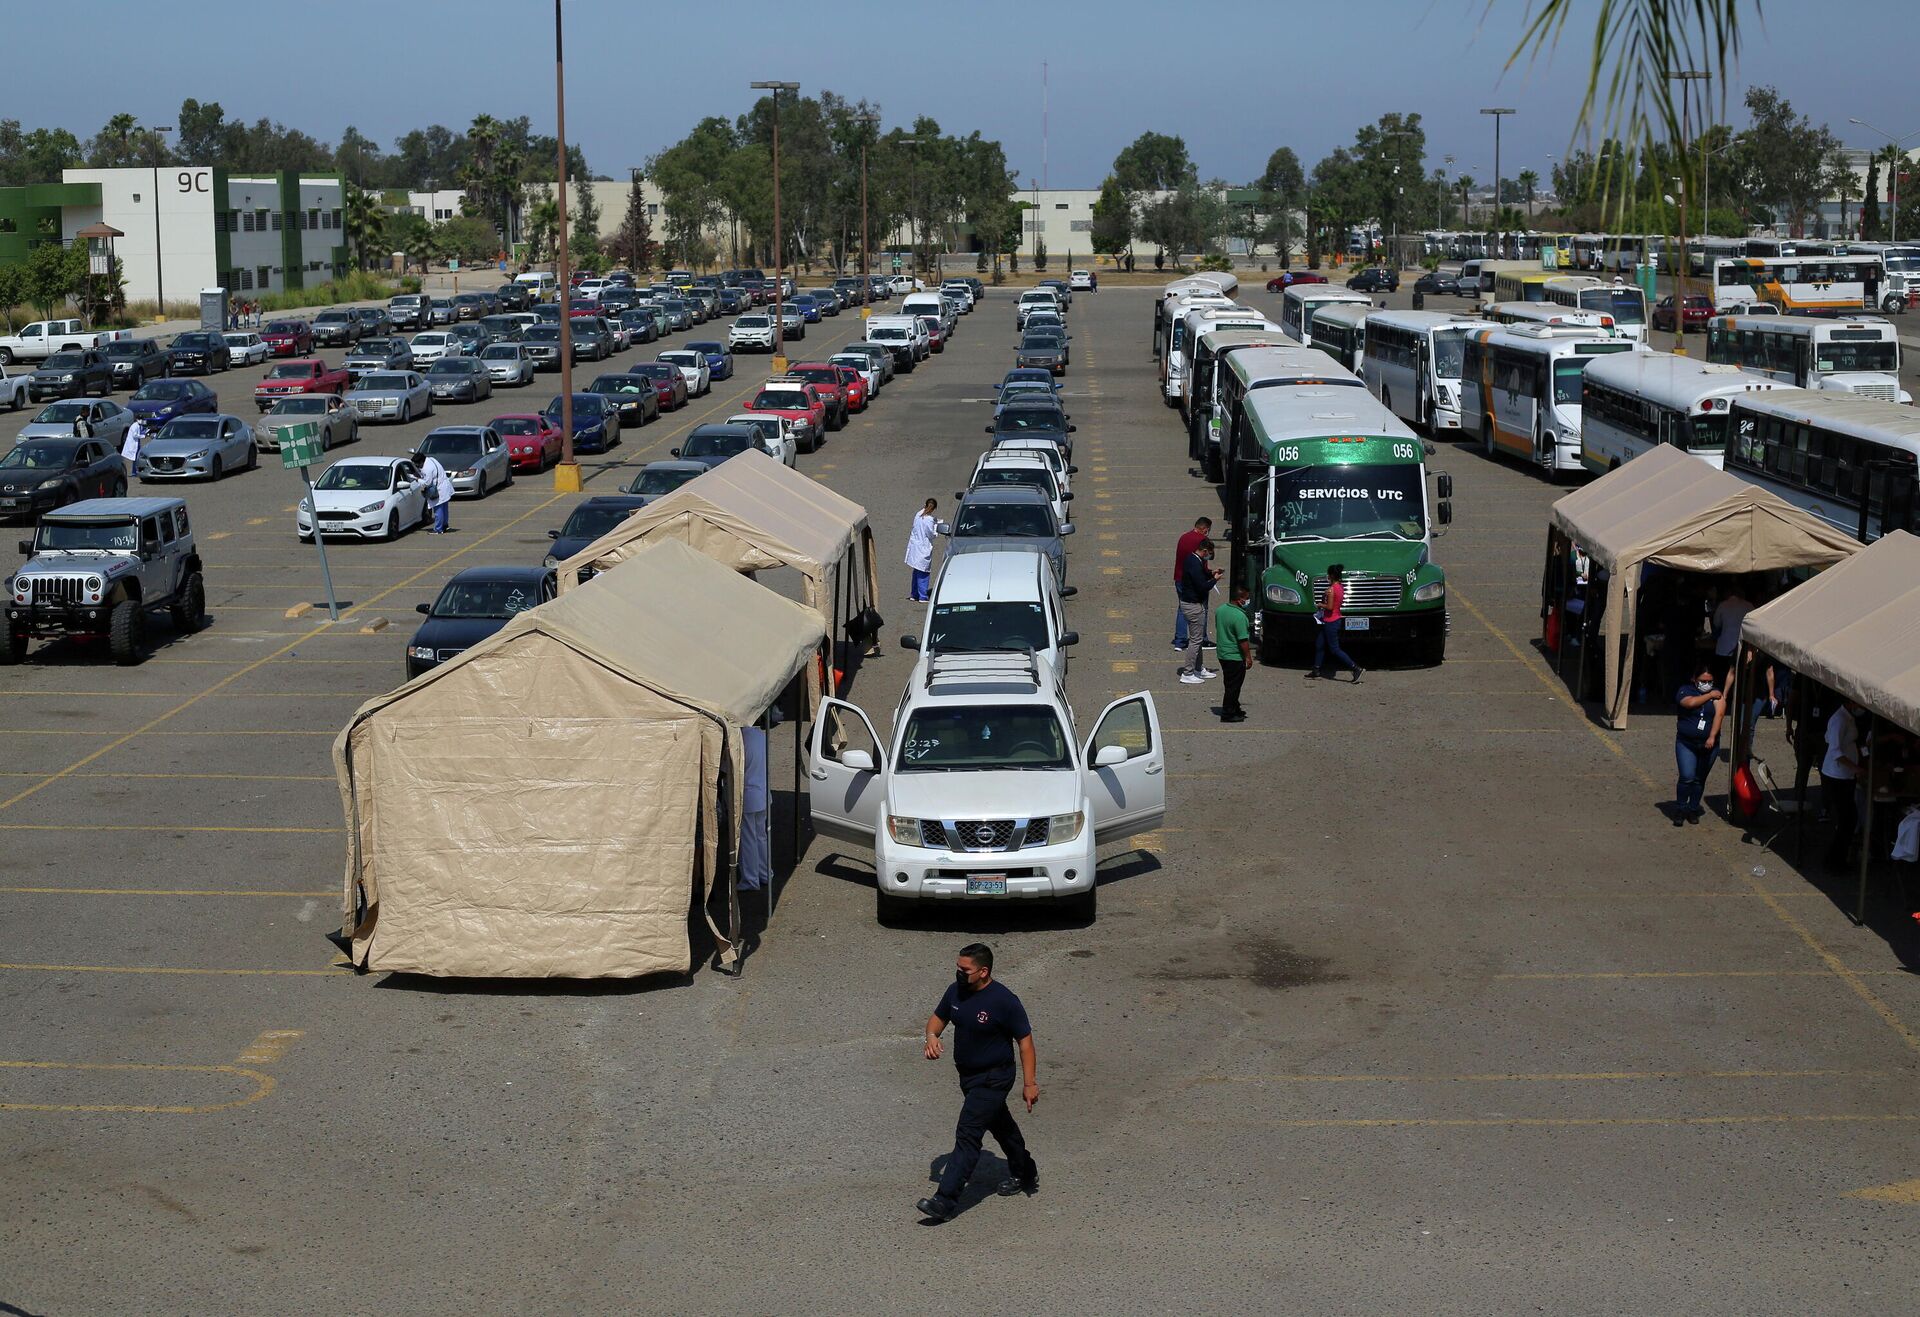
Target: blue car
(596,422)
(719,359)
(808,308)
(162,400)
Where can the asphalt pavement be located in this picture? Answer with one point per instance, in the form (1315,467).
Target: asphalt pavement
(1417,1001)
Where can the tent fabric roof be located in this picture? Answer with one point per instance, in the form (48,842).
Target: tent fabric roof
(772,515)
(1667,507)
(1855,628)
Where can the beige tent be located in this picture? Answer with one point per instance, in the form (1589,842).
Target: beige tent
(1668,508)
(1855,629)
(752,513)
(547,803)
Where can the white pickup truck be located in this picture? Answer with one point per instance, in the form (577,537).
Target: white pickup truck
(13,387)
(43,338)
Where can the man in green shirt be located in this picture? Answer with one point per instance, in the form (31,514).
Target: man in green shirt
(1233,635)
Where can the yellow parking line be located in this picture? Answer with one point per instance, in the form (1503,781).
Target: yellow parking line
(264,1084)
(1554,1122)
(169,969)
(148,827)
(191,777)
(77,731)
(1547,1077)
(159,891)
(1693,974)
(269,1046)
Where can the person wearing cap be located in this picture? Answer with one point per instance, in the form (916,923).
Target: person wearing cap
(439,487)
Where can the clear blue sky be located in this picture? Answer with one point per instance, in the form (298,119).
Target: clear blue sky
(640,74)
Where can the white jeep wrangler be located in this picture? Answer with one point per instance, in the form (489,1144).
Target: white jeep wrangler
(98,567)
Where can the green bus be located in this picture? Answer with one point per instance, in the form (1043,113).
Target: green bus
(1327,475)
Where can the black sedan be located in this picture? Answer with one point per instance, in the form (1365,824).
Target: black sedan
(135,361)
(591,518)
(159,401)
(714,444)
(640,325)
(1437,285)
(198,352)
(1376,279)
(477,602)
(633,396)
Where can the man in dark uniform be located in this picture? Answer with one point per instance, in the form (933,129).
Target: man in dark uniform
(987,1021)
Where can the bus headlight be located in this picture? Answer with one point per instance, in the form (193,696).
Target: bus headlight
(1282,594)
(1430,591)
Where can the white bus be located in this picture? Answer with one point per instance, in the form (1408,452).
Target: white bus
(1340,331)
(1522,393)
(1170,316)
(1548,313)
(1197,321)
(1413,361)
(1256,368)
(1844,356)
(1770,249)
(1211,353)
(1901,266)
(1703,252)
(1848,460)
(1223,286)
(1299,303)
(1623,301)
(1812,285)
(1632,402)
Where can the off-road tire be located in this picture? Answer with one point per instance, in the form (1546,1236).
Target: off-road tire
(189,608)
(13,648)
(127,632)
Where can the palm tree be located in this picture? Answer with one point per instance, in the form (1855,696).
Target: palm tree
(365,225)
(1528,181)
(1465,184)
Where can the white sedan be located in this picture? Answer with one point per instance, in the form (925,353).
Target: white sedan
(433,344)
(692,365)
(868,367)
(776,437)
(1080,281)
(371,498)
(247,349)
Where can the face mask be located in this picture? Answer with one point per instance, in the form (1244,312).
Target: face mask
(960,977)
(1704,685)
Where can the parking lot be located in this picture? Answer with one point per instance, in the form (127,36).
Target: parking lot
(1416,1001)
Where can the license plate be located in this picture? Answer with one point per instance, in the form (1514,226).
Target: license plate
(1359,624)
(990,885)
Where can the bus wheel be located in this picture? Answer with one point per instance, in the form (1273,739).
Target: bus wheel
(1272,652)
(1486,436)
(1433,650)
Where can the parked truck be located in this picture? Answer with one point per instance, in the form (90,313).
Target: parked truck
(43,338)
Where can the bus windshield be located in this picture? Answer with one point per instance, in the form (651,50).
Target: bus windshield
(1449,352)
(1873,353)
(1709,432)
(1625,305)
(1348,502)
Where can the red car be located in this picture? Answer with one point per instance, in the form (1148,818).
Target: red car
(797,402)
(855,385)
(288,338)
(668,382)
(1288,278)
(287,379)
(533,442)
(1694,315)
(825,377)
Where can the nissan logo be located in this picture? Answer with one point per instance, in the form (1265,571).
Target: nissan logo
(985,834)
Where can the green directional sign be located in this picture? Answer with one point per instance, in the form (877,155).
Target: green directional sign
(896,265)
(300,444)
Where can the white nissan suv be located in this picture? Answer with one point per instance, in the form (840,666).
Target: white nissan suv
(984,791)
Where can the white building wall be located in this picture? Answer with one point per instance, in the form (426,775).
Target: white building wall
(185,237)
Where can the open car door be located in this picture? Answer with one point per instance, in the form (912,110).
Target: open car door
(1125,775)
(848,786)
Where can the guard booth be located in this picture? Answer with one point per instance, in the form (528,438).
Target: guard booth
(213,308)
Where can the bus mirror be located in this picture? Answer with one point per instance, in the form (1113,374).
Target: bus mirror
(1446,485)
(1445,512)
(1431,450)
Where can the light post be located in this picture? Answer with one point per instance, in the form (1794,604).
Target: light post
(159,263)
(1439,201)
(566,473)
(1498,115)
(779,238)
(870,122)
(1899,145)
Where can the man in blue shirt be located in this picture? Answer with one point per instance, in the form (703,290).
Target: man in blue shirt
(988,1021)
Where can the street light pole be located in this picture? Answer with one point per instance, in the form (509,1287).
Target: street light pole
(869,122)
(159,263)
(1899,145)
(1498,115)
(779,238)
(566,475)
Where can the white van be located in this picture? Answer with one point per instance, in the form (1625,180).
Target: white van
(928,304)
(541,282)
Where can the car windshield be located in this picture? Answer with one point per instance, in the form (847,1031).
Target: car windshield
(753,322)
(485,599)
(618,384)
(1867,353)
(330,317)
(464,447)
(1042,342)
(159,389)
(1019,520)
(715,445)
(781,400)
(383,384)
(1020,420)
(291,370)
(1347,502)
(584,404)
(116,537)
(890,333)
(64,361)
(682,358)
(195,342)
(660,480)
(66,413)
(515,426)
(357,475)
(38,457)
(816,374)
(192,427)
(1027,387)
(502,352)
(543,334)
(129,348)
(1033,477)
(592,520)
(1449,352)
(982,738)
(311,404)
(709,349)
(452,366)
(284,327)
(963,628)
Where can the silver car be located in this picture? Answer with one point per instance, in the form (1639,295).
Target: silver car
(376,354)
(475,456)
(433,344)
(507,364)
(332,413)
(459,379)
(57,420)
(397,395)
(197,447)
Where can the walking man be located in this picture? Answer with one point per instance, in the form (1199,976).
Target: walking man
(988,1021)
(920,551)
(439,490)
(1197,578)
(1233,630)
(1333,620)
(1186,545)
(1701,706)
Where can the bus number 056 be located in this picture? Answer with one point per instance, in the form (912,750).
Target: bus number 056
(1405,450)
(1286,453)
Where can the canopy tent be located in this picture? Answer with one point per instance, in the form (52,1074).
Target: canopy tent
(752,513)
(1855,629)
(545,804)
(1668,508)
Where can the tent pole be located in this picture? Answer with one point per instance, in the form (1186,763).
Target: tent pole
(799,752)
(773,879)
(1866,822)
(1802,769)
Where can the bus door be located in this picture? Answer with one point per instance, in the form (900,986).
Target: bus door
(1253,531)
